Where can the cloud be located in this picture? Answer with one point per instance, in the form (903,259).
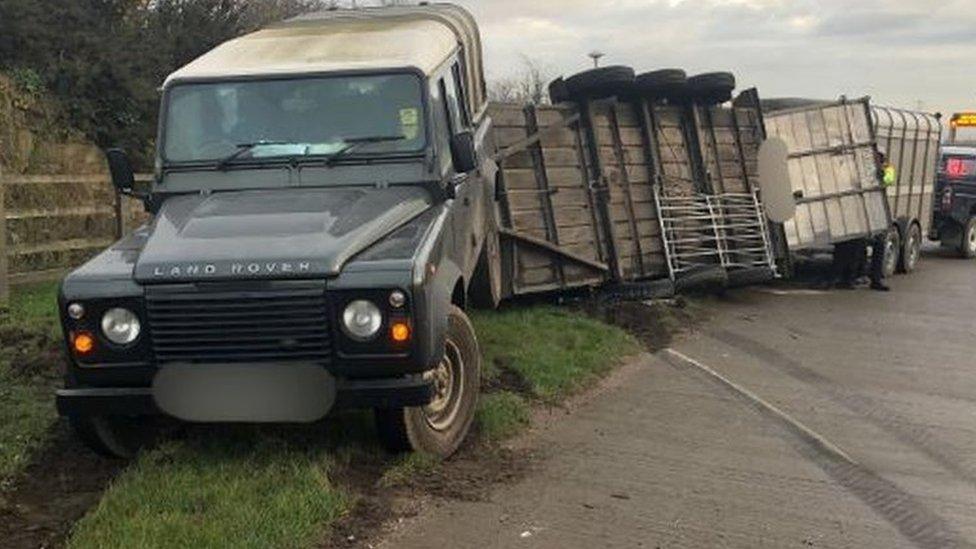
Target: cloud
(899,51)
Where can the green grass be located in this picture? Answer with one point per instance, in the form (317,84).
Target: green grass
(556,351)
(242,489)
(264,487)
(26,393)
(548,354)
(501,415)
(408,467)
(34,306)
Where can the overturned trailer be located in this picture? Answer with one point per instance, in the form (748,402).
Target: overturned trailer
(648,185)
(837,151)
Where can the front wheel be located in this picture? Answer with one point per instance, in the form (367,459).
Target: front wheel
(114,437)
(440,427)
(967,248)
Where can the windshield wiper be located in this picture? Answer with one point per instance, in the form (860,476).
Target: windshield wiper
(353,143)
(242,149)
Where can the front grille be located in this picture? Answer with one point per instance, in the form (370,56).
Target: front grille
(212,324)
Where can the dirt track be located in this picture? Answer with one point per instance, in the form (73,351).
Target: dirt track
(845,419)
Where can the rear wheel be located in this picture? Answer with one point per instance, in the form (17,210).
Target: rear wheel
(440,427)
(712,87)
(892,252)
(485,291)
(116,437)
(558,93)
(600,83)
(967,248)
(671,84)
(911,250)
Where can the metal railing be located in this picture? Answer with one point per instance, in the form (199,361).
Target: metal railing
(727,230)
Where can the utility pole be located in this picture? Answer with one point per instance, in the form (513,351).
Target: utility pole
(596,55)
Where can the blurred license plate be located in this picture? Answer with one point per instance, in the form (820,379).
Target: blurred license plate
(245,393)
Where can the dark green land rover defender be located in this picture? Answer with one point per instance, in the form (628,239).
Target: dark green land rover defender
(322,213)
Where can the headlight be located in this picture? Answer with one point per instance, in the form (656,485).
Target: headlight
(121,326)
(361,320)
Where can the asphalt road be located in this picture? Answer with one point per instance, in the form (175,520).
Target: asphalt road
(791,419)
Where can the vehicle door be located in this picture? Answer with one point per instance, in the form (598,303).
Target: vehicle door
(469,207)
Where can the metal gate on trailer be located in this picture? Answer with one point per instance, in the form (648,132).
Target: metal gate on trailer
(615,191)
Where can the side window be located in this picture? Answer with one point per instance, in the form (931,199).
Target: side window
(461,95)
(453,103)
(442,121)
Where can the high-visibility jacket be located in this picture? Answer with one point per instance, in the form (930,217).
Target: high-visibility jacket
(890,175)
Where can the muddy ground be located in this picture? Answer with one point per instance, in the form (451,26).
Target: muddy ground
(479,467)
(64,479)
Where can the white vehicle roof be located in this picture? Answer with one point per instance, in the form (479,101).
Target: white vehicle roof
(415,37)
(959,151)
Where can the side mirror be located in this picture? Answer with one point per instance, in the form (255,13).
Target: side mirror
(120,167)
(463,152)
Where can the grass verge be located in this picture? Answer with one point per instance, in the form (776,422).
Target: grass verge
(260,487)
(543,354)
(237,488)
(29,360)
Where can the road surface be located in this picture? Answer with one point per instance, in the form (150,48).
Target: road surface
(791,419)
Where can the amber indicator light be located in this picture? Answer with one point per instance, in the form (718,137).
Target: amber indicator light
(83,343)
(400,332)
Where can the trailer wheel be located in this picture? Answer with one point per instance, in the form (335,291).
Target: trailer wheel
(712,87)
(892,252)
(440,427)
(115,437)
(558,93)
(670,84)
(911,250)
(600,83)
(967,247)
(485,291)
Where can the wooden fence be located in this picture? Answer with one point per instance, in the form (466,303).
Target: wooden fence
(52,223)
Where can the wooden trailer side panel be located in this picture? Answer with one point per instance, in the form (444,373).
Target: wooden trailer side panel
(552,236)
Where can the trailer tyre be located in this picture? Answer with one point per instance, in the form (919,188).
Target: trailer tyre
(439,428)
(600,83)
(485,291)
(671,84)
(712,87)
(911,250)
(558,93)
(892,252)
(967,247)
(115,437)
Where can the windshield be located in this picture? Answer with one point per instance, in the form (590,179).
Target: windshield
(297,117)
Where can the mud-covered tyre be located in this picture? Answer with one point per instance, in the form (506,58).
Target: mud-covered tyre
(892,253)
(671,84)
(558,93)
(600,83)
(911,250)
(440,427)
(967,245)
(115,437)
(712,87)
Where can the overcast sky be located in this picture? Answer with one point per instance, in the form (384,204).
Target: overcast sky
(900,52)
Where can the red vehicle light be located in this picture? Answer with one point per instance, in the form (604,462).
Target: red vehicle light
(960,167)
